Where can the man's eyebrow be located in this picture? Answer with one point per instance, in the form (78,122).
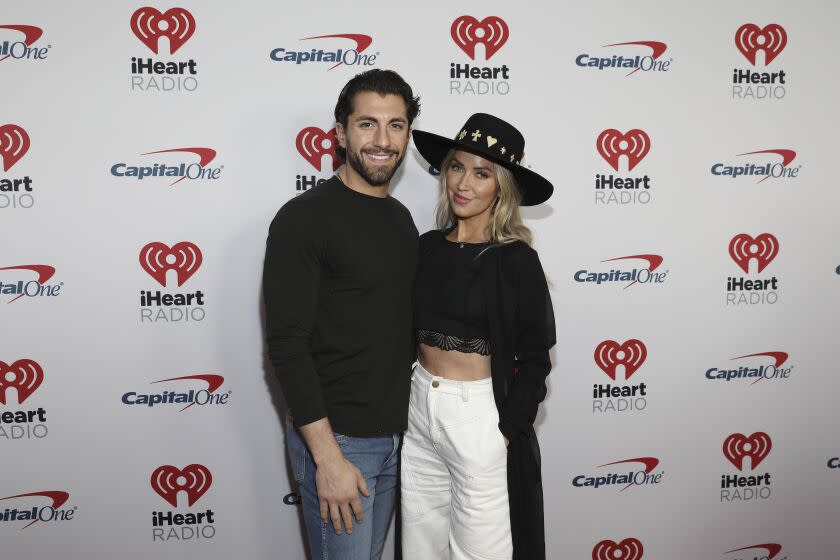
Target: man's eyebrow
(372,118)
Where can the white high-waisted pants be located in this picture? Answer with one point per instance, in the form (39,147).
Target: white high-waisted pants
(454,473)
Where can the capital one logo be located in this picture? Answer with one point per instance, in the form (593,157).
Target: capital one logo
(766,171)
(192,397)
(750,39)
(610,354)
(738,446)
(14,143)
(22,49)
(628,549)
(32,288)
(176,24)
(313,143)
(48,513)
(772,549)
(612,144)
(157,259)
(763,248)
(492,32)
(193,479)
(23,375)
(642,477)
(779,359)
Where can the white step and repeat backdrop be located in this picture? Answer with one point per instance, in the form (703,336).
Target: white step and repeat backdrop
(691,244)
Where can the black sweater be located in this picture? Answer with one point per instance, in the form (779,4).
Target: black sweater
(339,269)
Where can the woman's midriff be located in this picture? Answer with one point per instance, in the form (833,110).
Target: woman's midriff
(451,364)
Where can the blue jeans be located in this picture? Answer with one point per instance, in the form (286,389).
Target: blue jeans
(377,458)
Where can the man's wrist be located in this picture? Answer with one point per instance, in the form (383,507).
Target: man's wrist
(321,441)
(329,454)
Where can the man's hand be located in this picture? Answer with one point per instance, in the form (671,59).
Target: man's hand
(339,482)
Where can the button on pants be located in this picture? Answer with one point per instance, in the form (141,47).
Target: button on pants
(454,501)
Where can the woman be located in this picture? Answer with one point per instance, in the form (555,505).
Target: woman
(471,484)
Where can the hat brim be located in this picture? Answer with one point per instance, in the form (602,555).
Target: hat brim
(535,188)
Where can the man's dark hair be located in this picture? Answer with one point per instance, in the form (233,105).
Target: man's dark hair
(383,82)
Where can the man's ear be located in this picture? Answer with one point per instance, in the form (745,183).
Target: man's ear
(341,135)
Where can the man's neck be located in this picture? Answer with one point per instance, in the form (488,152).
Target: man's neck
(356,182)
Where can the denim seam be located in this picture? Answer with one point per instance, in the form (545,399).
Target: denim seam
(324,547)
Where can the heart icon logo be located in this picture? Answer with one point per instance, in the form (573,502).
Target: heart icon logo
(750,39)
(24,375)
(628,549)
(194,479)
(157,259)
(763,248)
(176,24)
(610,354)
(738,446)
(467,32)
(313,143)
(14,143)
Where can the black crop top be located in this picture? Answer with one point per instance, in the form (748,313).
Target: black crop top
(449,307)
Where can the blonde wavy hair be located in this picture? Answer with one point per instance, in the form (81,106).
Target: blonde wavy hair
(505,223)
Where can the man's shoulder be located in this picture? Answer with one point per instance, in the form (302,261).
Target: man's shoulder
(431,236)
(320,194)
(307,206)
(400,207)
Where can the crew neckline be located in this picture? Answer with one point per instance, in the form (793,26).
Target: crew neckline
(461,244)
(359,193)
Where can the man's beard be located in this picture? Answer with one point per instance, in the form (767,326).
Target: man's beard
(376,176)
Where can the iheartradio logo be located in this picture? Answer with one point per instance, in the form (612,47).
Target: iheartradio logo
(750,39)
(193,479)
(492,32)
(176,24)
(25,376)
(14,143)
(738,446)
(628,549)
(610,354)
(612,144)
(763,248)
(157,259)
(313,143)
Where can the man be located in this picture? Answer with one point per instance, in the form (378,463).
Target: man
(339,270)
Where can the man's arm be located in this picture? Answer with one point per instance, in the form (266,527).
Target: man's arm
(291,279)
(338,480)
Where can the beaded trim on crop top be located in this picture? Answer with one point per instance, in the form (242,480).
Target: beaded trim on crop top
(479,346)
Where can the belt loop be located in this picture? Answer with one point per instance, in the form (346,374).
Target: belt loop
(465,395)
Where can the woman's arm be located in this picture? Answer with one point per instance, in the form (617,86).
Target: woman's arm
(534,334)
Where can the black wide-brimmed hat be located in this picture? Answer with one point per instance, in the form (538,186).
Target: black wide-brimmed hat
(494,139)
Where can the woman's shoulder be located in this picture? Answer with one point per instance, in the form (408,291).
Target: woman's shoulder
(519,249)
(520,258)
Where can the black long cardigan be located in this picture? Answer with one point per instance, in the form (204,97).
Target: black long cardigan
(521,324)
